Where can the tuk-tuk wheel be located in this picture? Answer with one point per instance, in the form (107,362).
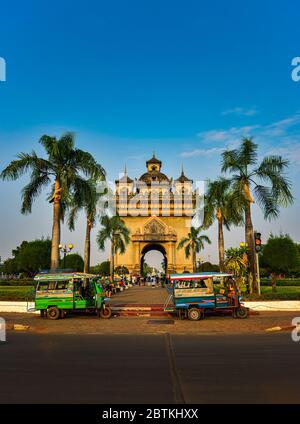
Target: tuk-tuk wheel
(53,312)
(241,312)
(42,313)
(105,312)
(194,314)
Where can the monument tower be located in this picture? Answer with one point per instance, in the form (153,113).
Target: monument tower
(158,212)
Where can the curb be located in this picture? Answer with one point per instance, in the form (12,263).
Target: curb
(284,328)
(17,327)
(259,306)
(20,327)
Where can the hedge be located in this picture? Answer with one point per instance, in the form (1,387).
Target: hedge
(17,283)
(292,282)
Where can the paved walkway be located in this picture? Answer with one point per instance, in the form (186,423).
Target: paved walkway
(138,295)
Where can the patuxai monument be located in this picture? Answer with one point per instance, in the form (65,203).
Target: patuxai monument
(158,212)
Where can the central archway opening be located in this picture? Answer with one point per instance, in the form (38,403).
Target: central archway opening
(154,255)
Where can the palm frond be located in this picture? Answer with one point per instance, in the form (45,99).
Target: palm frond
(230,161)
(187,250)
(32,190)
(66,144)
(200,242)
(80,190)
(281,189)
(63,209)
(103,235)
(50,144)
(279,192)
(113,228)
(209,214)
(182,243)
(219,199)
(271,165)
(24,163)
(247,154)
(72,217)
(87,164)
(266,201)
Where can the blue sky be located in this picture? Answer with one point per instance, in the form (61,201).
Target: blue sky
(184,78)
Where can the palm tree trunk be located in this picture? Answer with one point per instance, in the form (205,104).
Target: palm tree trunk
(194,257)
(112,259)
(87,246)
(56,227)
(221,244)
(249,234)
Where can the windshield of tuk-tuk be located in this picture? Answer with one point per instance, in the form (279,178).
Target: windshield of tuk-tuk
(45,286)
(202,283)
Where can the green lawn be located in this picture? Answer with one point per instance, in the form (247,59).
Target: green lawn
(15,292)
(282,293)
(283,282)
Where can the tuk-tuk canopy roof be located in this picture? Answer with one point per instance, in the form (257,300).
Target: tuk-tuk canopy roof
(200,275)
(62,276)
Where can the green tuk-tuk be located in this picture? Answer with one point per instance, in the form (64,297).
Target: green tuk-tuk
(59,293)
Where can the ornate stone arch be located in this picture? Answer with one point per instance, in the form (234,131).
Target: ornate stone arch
(154,226)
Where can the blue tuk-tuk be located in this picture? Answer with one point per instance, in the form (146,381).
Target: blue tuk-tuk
(191,295)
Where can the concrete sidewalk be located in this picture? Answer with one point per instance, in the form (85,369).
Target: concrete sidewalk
(274,305)
(15,306)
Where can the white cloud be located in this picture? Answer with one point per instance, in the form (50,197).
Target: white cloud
(228,135)
(281,137)
(202,152)
(280,128)
(290,151)
(240,111)
(228,138)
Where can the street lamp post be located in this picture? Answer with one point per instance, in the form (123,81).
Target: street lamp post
(65,248)
(257,239)
(258,273)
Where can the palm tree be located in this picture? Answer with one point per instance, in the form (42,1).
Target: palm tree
(248,177)
(88,203)
(114,230)
(221,204)
(64,169)
(236,261)
(193,244)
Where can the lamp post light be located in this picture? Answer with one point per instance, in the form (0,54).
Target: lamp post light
(65,248)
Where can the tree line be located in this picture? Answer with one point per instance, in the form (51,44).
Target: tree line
(229,200)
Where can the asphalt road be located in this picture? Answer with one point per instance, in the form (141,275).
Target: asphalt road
(37,368)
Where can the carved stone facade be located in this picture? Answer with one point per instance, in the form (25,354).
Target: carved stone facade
(160,230)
